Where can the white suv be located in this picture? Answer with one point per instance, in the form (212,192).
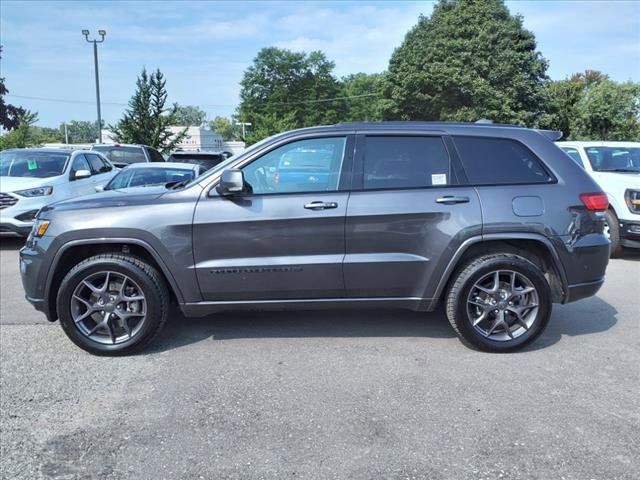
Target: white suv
(616,168)
(31,178)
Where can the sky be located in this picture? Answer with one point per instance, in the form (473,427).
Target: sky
(203,47)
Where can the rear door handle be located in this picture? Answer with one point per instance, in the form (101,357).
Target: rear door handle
(451,199)
(320,205)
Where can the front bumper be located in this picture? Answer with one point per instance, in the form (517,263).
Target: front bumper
(13,229)
(33,271)
(629,234)
(11,225)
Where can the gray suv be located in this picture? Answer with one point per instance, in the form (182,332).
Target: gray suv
(491,220)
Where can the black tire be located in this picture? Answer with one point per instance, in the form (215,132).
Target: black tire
(151,283)
(465,279)
(614,233)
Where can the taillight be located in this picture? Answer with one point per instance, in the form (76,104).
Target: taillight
(595,202)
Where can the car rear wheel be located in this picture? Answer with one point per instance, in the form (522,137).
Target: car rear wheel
(612,231)
(112,304)
(499,303)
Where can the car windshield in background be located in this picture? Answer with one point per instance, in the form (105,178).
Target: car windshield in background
(614,159)
(147,177)
(120,155)
(206,161)
(35,164)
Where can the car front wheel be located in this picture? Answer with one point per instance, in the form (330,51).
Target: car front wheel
(499,303)
(112,304)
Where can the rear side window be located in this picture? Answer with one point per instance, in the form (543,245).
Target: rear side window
(499,161)
(396,162)
(121,155)
(155,155)
(97,164)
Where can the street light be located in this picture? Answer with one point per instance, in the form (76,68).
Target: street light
(243,124)
(95,42)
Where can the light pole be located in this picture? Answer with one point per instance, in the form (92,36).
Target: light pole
(102,33)
(243,124)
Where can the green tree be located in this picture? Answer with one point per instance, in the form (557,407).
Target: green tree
(363,97)
(80,131)
(9,114)
(471,59)
(24,134)
(609,111)
(189,115)
(227,128)
(284,89)
(147,121)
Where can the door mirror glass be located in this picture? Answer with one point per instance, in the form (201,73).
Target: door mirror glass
(78,174)
(231,183)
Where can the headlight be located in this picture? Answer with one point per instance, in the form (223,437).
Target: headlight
(632,197)
(40,228)
(35,192)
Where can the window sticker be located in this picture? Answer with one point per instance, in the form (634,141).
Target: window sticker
(32,164)
(438,179)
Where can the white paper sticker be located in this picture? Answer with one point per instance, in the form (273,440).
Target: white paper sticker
(438,179)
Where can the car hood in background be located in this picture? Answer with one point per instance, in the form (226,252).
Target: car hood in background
(12,184)
(618,179)
(110,198)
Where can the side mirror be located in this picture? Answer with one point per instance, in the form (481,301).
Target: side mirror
(231,183)
(78,174)
(99,188)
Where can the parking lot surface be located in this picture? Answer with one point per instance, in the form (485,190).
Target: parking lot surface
(336,394)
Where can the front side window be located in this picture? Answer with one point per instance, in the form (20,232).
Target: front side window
(311,165)
(574,154)
(614,159)
(398,162)
(80,163)
(25,163)
(499,161)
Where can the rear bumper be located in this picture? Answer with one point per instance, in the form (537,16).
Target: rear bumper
(585,261)
(629,234)
(582,290)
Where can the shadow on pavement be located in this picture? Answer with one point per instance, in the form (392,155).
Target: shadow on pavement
(582,318)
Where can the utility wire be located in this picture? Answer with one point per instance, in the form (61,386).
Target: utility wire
(85,102)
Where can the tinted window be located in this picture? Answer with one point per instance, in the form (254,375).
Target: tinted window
(140,177)
(405,162)
(79,163)
(97,164)
(491,161)
(25,163)
(574,154)
(311,165)
(120,155)
(206,161)
(155,155)
(613,159)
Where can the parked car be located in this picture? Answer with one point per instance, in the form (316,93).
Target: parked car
(490,220)
(122,155)
(207,160)
(31,178)
(152,174)
(615,166)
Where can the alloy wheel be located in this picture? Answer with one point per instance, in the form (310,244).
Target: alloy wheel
(108,307)
(503,305)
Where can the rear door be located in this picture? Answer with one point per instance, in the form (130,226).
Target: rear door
(407,214)
(285,240)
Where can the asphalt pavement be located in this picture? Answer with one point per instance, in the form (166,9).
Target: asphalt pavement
(317,394)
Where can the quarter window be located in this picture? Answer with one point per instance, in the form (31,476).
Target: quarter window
(574,154)
(396,162)
(499,161)
(311,165)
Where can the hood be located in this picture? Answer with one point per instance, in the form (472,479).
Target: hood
(618,180)
(110,198)
(12,184)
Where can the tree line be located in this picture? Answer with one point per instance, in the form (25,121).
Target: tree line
(468,60)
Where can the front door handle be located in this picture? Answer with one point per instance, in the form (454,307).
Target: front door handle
(451,199)
(320,205)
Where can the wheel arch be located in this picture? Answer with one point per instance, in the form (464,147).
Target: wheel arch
(534,247)
(77,250)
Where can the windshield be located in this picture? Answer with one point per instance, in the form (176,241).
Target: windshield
(614,159)
(30,163)
(121,155)
(146,177)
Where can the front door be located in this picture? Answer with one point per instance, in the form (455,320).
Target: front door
(406,216)
(80,186)
(285,240)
